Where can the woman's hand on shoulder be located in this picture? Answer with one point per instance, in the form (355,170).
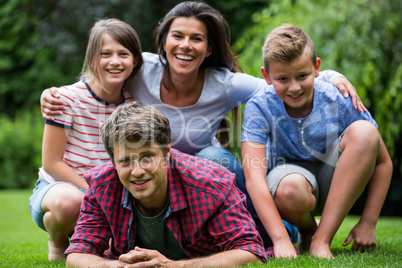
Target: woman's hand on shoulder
(50,104)
(347,89)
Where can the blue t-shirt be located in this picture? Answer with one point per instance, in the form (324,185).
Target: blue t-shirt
(288,139)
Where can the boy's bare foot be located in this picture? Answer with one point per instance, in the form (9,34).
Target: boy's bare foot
(321,250)
(56,253)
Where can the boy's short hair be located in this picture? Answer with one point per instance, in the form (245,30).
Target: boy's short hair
(133,123)
(286,43)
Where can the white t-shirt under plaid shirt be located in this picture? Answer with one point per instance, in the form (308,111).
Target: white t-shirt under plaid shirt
(82,120)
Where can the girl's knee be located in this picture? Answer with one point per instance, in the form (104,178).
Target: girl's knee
(64,199)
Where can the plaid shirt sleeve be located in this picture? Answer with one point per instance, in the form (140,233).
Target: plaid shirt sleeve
(233,228)
(92,232)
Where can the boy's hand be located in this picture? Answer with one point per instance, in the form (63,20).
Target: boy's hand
(364,237)
(347,89)
(50,104)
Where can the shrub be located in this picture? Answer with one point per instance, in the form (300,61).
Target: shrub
(20,154)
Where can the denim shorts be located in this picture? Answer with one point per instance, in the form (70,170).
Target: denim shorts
(35,201)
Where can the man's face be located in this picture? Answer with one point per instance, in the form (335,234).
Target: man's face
(142,169)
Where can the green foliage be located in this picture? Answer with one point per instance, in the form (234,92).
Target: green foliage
(20,154)
(362,40)
(237,16)
(26,63)
(43,42)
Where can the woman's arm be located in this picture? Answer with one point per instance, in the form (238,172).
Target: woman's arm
(255,171)
(53,148)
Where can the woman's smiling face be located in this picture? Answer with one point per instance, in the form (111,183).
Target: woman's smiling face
(186,45)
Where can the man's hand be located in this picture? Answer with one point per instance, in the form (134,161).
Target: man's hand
(139,257)
(50,104)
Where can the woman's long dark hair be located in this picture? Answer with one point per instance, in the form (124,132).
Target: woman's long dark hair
(218,40)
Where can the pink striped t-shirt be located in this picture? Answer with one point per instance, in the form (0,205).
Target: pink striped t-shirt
(82,120)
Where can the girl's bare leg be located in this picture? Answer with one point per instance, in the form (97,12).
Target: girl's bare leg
(61,205)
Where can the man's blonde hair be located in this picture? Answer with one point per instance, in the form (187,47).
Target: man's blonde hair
(286,43)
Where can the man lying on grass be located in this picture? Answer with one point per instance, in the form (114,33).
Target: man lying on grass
(158,206)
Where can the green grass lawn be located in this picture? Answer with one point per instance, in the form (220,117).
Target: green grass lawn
(23,244)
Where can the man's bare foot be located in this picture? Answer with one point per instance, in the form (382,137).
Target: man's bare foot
(321,250)
(56,253)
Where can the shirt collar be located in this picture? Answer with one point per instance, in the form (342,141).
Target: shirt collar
(127,201)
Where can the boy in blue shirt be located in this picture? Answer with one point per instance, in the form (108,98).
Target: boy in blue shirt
(318,151)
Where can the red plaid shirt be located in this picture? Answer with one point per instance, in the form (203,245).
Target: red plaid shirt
(206,214)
